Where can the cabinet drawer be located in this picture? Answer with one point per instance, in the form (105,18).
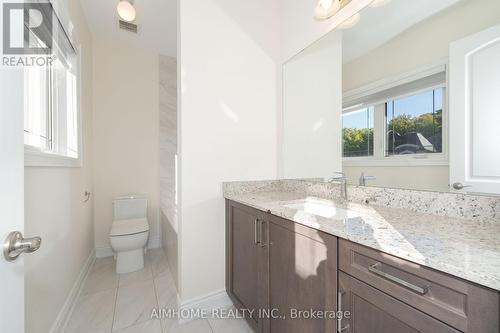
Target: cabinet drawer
(370,310)
(463,305)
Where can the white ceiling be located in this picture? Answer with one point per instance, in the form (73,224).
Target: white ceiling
(379,25)
(157,21)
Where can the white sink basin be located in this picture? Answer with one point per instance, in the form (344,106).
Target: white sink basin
(324,210)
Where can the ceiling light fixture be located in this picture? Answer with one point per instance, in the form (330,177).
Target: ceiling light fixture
(126,11)
(379,3)
(350,22)
(326,9)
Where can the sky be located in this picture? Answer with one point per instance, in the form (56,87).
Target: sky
(412,105)
(359,119)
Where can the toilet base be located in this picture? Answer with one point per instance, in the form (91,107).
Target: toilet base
(129,261)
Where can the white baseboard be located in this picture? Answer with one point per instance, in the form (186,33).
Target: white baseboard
(107,251)
(216,300)
(62,318)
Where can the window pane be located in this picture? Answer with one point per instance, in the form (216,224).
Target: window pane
(36,108)
(65,106)
(415,124)
(72,117)
(357,130)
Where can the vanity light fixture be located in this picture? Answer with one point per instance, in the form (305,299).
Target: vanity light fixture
(350,22)
(326,9)
(126,10)
(379,3)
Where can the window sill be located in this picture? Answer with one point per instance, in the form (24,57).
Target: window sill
(400,162)
(37,158)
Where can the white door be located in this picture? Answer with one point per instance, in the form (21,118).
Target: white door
(475,112)
(12,202)
(11,197)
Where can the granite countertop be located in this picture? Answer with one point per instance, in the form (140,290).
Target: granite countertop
(463,248)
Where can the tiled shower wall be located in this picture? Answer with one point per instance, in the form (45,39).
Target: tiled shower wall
(168,156)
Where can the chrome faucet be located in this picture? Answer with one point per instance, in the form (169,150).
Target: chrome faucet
(363,179)
(340,178)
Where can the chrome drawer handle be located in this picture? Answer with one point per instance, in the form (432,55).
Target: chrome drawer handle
(340,329)
(419,290)
(262,243)
(256,232)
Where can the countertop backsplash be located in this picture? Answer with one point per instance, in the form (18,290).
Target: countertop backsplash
(462,206)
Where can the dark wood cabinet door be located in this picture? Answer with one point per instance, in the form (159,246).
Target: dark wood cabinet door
(243,259)
(372,311)
(302,277)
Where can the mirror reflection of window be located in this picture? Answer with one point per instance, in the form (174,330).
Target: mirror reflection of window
(414,124)
(357,132)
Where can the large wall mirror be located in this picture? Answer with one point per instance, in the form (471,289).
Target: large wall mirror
(420,102)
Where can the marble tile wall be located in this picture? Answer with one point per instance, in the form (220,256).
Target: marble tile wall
(168,155)
(168,136)
(463,206)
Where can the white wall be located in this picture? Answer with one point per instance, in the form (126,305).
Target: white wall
(425,178)
(298,30)
(126,132)
(423,45)
(313,110)
(229,52)
(299,27)
(54,209)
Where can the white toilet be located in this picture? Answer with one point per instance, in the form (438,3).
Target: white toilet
(129,233)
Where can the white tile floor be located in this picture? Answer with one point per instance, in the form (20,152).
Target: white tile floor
(123,303)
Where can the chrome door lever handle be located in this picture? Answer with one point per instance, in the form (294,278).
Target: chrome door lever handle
(15,245)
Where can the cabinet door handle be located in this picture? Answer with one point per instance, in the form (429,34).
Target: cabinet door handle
(340,329)
(262,243)
(256,231)
(419,290)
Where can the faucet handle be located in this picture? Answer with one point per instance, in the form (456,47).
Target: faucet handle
(339,174)
(363,179)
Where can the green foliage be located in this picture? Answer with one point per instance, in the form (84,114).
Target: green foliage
(427,124)
(358,142)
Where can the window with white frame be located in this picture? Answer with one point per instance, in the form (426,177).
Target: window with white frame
(51,110)
(357,131)
(414,124)
(403,117)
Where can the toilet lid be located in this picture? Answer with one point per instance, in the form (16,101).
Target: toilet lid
(129,227)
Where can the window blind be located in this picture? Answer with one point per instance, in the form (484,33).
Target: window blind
(398,87)
(52,28)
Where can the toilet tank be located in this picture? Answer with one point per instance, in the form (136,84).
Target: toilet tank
(130,207)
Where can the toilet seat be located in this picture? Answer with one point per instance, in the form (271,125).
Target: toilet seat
(129,227)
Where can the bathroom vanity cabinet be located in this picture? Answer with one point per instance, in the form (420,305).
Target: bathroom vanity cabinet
(281,271)
(302,276)
(273,263)
(245,265)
